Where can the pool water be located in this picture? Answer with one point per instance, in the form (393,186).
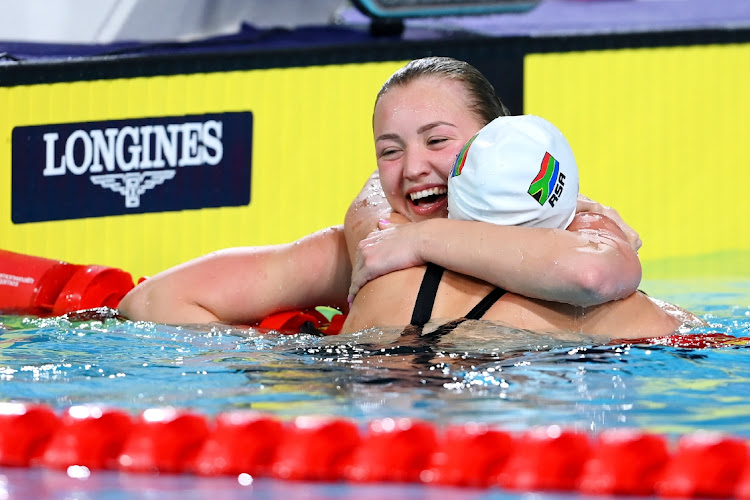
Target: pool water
(515,380)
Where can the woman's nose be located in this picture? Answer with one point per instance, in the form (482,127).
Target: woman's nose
(416,164)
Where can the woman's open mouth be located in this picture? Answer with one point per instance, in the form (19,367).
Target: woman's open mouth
(429,202)
(428,196)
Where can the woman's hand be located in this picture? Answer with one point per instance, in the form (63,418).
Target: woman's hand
(586,204)
(389,248)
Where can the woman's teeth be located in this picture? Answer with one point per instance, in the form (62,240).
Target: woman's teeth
(436,191)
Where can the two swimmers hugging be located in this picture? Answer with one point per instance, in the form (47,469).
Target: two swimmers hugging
(516,171)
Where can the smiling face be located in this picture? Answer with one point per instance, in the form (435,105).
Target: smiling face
(419,129)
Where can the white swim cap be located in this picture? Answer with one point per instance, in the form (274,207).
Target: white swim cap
(517,171)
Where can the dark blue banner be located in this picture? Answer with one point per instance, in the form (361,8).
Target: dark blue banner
(95,169)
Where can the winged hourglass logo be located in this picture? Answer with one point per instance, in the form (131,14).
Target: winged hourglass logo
(132,185)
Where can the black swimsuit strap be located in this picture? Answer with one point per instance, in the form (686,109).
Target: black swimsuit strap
(428,290)
(413,341)
(426,296)
(475,313)
(485,303)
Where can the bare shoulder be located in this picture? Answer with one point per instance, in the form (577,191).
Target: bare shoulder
(385,301)
(687,318)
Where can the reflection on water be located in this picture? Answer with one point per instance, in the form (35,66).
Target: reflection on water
(478,372)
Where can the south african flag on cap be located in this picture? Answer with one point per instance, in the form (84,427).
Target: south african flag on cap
(545,180)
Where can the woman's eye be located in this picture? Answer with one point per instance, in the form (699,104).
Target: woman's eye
(436,140)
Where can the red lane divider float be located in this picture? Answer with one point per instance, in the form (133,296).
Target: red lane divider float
(240,442)
(165,440)
(393,450)
(552,460)
(689,340)
(469,455)
(88,436)
(292,322)
(705,465)
(25,432)
(315,448)
(624,462)
(39,286)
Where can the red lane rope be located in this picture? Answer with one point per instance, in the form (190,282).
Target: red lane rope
(690,340)
(166,440)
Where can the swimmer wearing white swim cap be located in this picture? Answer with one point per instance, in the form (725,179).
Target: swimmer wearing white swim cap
(517,171)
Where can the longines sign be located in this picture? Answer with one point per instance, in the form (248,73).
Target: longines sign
(94,169)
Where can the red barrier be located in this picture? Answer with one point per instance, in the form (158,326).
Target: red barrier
(705,465)
(89,436)
(546,459)
(93,286)
(291,322)
(31,285)
(241,441)
(163,440)
(39,286)
(624,462)
(469,455)
(393,450)
(743,483)
(712,340)
(617,462)
(316,449)
(24,432)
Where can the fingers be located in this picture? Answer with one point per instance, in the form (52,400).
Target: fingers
(353,291)
(635,242)
(632,235)
(588,205)
(363,269)
(359,279)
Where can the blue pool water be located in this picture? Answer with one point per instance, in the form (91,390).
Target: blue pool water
(515,380)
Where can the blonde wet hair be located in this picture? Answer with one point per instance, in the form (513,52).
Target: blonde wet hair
(483,100)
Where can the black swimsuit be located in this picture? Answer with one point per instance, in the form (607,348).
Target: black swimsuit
(423,309)
(422,346)
(426,299)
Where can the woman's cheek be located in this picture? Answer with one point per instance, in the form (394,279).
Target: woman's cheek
(391,191)
(390,177)
(448,162)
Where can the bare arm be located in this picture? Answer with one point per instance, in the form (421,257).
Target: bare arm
(591,263)
(243,285)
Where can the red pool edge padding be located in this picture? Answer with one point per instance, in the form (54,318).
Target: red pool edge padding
(392,450)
